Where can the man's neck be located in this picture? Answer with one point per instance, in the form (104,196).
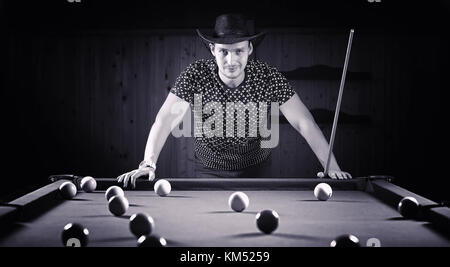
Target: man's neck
(232,83)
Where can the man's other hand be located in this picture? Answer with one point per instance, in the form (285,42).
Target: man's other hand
(133,175)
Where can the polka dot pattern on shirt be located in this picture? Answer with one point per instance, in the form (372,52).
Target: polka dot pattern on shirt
(216,149)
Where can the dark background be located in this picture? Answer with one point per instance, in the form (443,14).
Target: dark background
(82,83)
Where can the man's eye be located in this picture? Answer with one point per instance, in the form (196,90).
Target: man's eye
(238,51)
(224,52)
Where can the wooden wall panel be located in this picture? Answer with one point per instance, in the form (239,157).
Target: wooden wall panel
(89,99)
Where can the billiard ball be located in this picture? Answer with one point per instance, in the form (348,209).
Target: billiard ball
(323,191)
(267,221)
(162,187)
(113,191)
(118,205)
(151,241)
(88,184)
(408,207)
(67,190)
(75,235)
(345,241)
(238,201)
(320,175)
(141,224)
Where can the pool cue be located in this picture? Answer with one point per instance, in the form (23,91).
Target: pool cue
(338,106)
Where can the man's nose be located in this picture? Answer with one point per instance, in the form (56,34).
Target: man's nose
(230,58)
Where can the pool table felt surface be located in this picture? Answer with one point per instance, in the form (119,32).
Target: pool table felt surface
(203,218)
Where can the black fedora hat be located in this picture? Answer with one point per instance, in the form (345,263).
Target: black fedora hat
(230,29)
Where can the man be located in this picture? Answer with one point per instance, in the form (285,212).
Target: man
(230,80)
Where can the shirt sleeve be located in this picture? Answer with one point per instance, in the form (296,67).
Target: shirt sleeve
(186,84)
(282,90)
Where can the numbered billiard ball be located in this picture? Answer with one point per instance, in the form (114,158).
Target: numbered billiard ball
(238,201)
(151,241)
(141,224)
(75,235)
(113,191)
(162,187)
(67,190)
(345,241)
(88,184)
(408,207)
(118,205)
(323,191)
(267,221)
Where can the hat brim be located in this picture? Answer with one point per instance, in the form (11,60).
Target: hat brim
(209,38)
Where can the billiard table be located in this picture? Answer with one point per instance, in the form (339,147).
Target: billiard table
(196,214)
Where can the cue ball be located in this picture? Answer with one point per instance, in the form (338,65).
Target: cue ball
(113,191)
(118,205)
(267,221)
(408,207)
(141,224)
(323,191)
(345,241)
(88,184)
(68,190)
(238,201)
(162,187)
(151,241)
(75,235)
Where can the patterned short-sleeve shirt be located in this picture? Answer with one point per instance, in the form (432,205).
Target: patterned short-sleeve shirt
(236,142)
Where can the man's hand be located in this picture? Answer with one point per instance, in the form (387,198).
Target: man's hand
(336,175)
(133,175)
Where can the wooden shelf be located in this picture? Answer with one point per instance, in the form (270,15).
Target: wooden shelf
(324,72)
(325,116)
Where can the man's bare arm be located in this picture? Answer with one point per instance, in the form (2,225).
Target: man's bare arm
(169,116)
(301,119)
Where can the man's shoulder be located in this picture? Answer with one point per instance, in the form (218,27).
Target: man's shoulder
(260,66)
(201,65)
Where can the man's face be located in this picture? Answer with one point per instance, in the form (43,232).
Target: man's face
(232,58)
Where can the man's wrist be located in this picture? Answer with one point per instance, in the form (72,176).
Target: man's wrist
(147,163)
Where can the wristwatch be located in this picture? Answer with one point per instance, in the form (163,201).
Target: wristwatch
(149,164)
